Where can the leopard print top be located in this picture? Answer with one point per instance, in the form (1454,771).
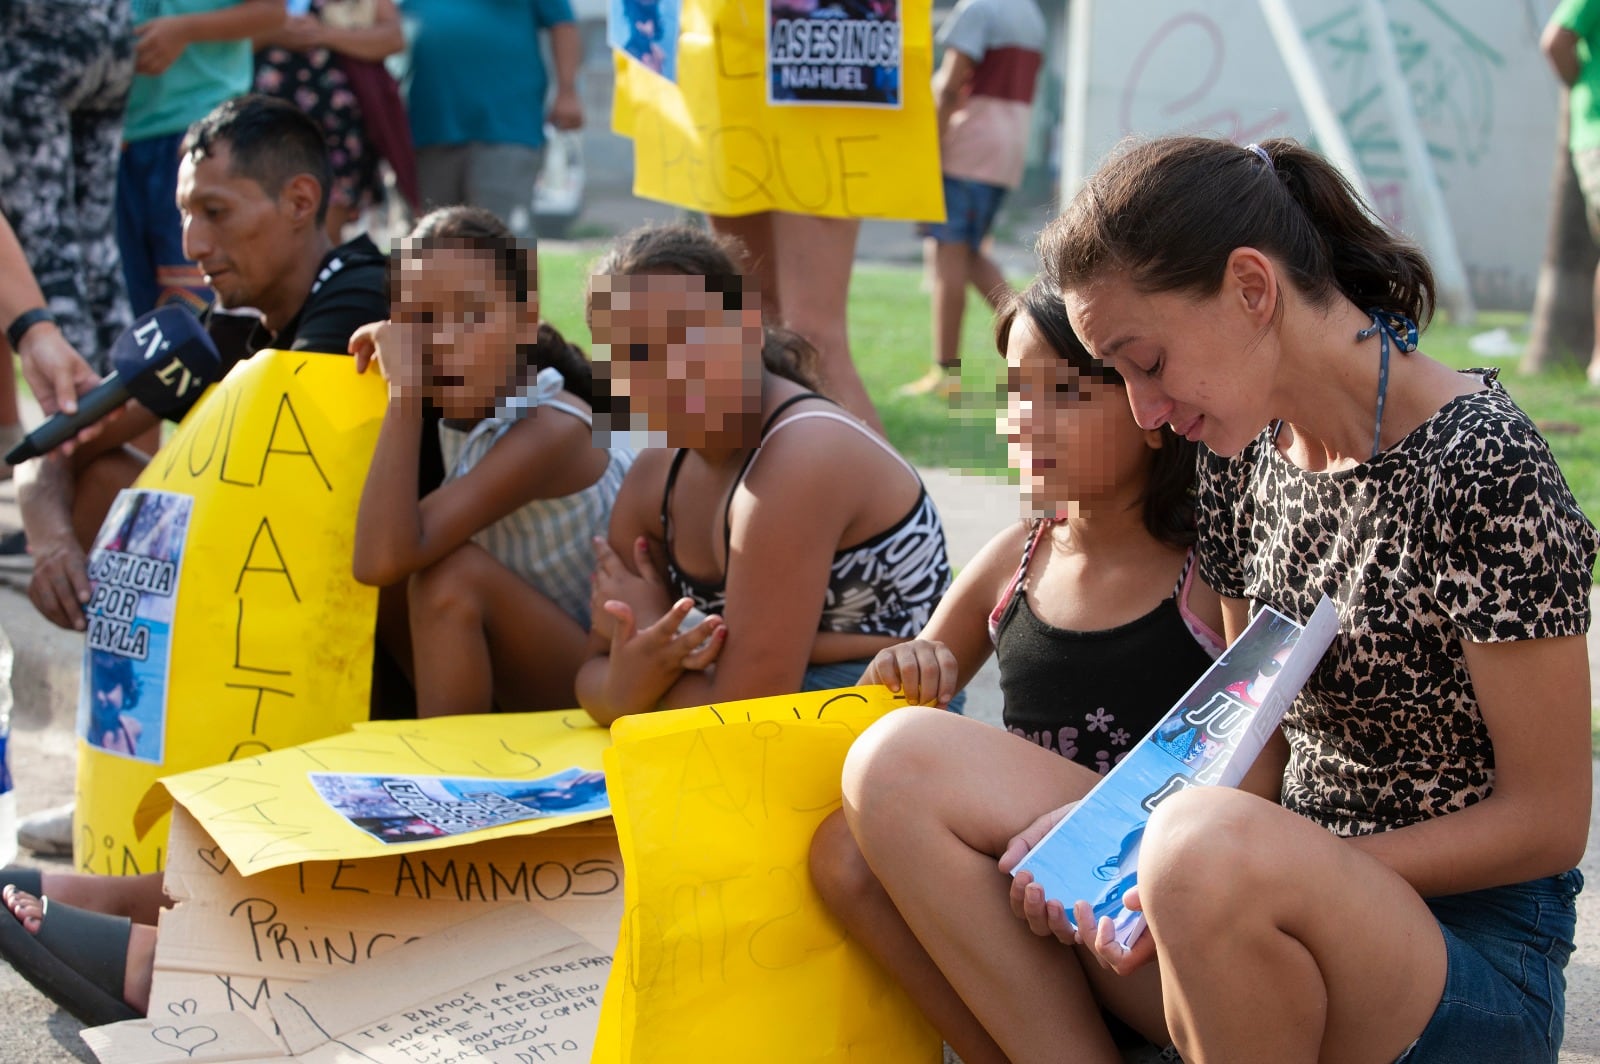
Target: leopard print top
(1463,531)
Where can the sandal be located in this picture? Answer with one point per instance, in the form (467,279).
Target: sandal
(77,959)
(27,880)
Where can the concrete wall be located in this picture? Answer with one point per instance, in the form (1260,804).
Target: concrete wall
(1485,98)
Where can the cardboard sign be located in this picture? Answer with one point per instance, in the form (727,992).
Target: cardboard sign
(775,108)
(725,942)
(453,980)
(270,638)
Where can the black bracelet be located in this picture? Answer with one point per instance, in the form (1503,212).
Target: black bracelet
(25,321)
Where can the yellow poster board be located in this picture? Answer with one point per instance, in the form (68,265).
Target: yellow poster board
(717,139)
(265,814)
(725,943)
(270,636)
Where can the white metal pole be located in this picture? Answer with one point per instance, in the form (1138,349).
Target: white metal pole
(1320,112)
(1075,99)
(1438,236)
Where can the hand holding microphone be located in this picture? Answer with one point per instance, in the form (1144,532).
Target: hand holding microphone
(164,360)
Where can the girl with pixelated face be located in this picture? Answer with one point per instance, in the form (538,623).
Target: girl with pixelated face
(496,562)
(775,543)
(1079,601)
(1408,839)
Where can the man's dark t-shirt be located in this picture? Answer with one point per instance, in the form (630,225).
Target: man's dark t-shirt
(351,290)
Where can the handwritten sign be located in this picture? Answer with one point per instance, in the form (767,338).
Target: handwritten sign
(843,140)
(271,637)
(508,985)
(236,944)
(265,812)
(725,942)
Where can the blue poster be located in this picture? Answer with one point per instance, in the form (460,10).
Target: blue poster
(1209,738)
(647,30)
(133,571)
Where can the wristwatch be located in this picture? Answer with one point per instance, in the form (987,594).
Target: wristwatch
(25,321)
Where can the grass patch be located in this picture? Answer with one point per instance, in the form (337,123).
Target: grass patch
(890,331)
(890,324)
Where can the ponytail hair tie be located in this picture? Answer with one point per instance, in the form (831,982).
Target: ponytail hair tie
(1261,153)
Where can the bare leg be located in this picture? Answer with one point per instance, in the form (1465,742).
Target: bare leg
(141,962)
(815,258)
(854,895)
(1339,959)
(140,898)
(951,265)
(984,275)
(754,233)
(394,626)
(9,414)
(933,799)
(1594,355)
(95,488)
(481,637)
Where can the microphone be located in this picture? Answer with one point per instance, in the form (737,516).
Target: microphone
(163,360)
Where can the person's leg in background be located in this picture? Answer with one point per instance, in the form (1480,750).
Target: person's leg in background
(441,175)
(815,257)
(1586,164)
(959,259)
(500,178)
(754,234)
(803,263)
(150,237)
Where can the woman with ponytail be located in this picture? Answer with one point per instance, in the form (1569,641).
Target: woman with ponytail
(1395,880)
(498,560)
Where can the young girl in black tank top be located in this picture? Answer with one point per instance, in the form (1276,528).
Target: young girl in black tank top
(1092,606)
(1081,598)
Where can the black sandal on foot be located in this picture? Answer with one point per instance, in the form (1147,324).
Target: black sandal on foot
(78,959)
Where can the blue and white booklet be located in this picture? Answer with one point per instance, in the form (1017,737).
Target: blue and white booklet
(1211,737)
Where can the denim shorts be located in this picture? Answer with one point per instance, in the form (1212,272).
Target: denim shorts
(846,673)
(1505,989)
(970,208)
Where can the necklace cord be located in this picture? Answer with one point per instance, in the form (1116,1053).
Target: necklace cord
(1393,328)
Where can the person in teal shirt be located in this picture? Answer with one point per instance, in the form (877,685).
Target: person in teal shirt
(479,97)
(190,56)
(1570,41)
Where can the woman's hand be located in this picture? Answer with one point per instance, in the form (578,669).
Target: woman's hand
(299,33)
(158,44)
(640,586)
(646,662)
(923,671)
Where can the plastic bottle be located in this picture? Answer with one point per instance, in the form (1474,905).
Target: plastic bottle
(8,796)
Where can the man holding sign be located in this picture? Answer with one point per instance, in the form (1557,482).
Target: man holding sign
(252,188)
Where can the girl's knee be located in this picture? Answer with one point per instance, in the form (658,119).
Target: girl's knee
(894,752)
(1205,847)
(840,873)
(447,587)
